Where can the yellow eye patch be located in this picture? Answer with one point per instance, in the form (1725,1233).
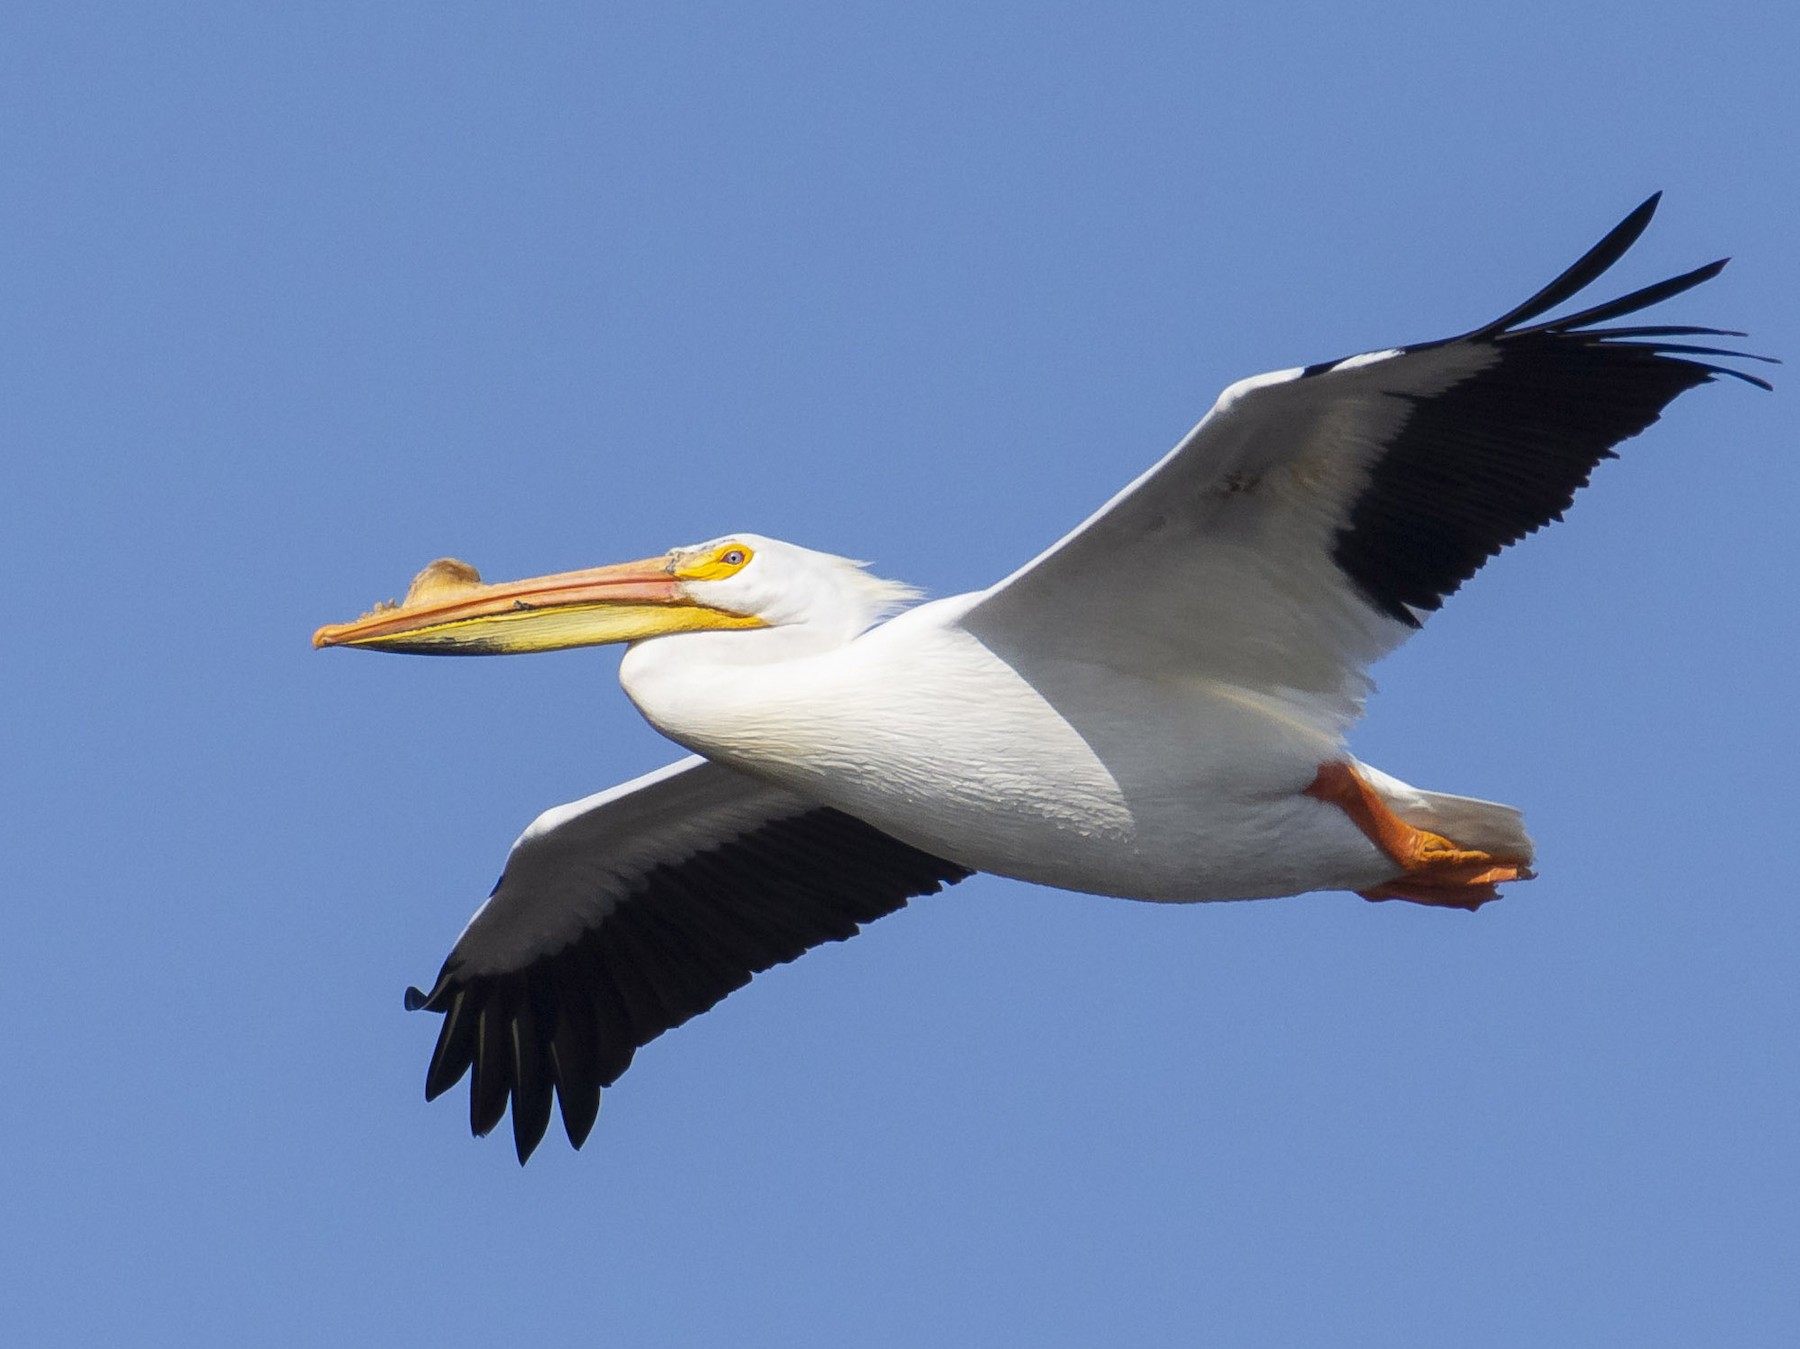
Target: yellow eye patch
(728,559)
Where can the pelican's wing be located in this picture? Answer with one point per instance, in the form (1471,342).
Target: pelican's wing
(628,912)
(1316,515)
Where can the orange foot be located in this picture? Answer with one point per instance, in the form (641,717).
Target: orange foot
(1433,870)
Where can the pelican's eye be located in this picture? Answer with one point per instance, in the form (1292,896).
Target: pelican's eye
(726,560)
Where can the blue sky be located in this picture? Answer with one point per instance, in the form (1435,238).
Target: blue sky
(298,298)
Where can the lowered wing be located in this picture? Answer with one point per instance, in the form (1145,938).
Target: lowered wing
(624,914)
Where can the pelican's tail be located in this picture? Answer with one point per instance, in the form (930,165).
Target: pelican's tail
(1452,851)
(1481,826)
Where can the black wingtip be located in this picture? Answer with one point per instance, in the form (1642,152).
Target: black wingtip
(1755,381)
(1642,298)
(1582,272)
(415,1000)
(579,1111)
(1638,220)
(526,1136)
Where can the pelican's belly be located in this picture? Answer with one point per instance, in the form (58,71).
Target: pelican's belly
(1079,778)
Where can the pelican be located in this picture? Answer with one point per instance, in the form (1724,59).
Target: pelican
(1154,708)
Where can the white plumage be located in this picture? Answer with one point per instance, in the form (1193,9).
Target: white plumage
(1153,708)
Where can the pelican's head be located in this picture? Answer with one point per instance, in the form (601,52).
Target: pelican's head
(737,582)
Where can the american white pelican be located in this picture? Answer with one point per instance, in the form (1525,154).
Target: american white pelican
(1154,708)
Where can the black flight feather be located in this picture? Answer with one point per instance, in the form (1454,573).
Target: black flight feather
(1502,453)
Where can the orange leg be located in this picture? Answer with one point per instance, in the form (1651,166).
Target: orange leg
(1433,870)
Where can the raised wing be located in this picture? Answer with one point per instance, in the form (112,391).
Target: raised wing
(1315,516)
(628,912)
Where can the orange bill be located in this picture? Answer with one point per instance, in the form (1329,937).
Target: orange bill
(450,611)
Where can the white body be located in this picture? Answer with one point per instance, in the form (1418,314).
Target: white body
(1042,774)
